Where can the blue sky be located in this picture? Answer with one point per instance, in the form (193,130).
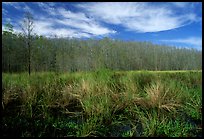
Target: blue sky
(170,23)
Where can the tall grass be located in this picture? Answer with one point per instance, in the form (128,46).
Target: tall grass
(95,103)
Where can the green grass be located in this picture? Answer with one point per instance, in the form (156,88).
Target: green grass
(102,103)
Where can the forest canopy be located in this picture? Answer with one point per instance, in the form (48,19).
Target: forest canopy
(65,54)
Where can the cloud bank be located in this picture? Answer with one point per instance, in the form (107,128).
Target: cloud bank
(62,22)
(138,16)
(97,18)
(194,41)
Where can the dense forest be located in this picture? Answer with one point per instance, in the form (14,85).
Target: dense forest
(65,54)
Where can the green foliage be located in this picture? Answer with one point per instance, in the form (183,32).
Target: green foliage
(180,129)
(85,88)
(62,55)
(102,103)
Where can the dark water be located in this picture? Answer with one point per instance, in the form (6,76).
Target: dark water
(118,130)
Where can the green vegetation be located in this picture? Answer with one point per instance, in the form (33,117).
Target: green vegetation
(61,87)
(102,103)
(69,55)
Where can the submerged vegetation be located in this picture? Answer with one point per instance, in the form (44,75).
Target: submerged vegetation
(102,103)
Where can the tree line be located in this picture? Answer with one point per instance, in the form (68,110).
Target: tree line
(65,54)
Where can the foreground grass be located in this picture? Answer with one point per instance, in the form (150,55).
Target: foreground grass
(102,103)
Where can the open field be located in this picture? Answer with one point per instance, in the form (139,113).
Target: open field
(103,103)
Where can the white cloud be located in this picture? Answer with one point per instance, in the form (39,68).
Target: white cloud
(81,21)
(17,5)
(4,11)
(90,27)
(27,8)
(71,24)
(8,19)
(43,27)
(139,17)
(7,3)
(3,28)
(112,12)
(180,4)
(86,22)
(71,15)
(193,41)
(63,22)
(47,7)
(46,27)
(20,6)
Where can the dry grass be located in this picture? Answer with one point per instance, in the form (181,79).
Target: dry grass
(161,97)
(100,98)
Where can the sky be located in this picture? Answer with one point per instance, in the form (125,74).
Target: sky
(168,23)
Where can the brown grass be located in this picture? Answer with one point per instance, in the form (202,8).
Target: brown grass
(161,97)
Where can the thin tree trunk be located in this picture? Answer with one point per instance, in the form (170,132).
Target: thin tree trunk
(29,58)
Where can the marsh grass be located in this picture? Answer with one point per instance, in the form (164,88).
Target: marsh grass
(162,96)
(102,103)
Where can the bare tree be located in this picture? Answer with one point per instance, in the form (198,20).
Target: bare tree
(27,27)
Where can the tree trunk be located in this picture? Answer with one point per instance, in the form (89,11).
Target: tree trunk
(29,58)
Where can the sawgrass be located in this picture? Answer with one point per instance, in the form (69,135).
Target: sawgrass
(102,103)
